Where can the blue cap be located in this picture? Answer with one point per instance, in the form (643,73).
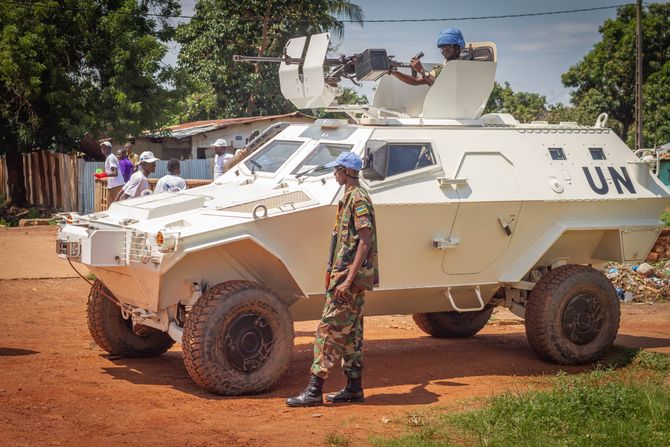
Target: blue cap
(348,160)
(451,36)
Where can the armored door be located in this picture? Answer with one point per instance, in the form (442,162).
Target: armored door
(489,206)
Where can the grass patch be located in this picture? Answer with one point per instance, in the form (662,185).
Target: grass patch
(336,440)
(665,217)
(624,401)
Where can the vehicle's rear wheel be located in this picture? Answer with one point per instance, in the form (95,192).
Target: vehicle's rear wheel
(453,324)
(237,339)
(572,315)
(115,334)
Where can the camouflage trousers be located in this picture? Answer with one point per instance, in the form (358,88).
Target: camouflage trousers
(340,334)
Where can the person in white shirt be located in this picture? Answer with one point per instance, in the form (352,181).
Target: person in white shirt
(221,156)
(138,182)
(171,182)
(114,178)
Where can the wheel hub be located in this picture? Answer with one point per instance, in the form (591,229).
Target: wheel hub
(583,319)
(248,342)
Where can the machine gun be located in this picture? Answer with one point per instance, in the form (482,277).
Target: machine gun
(369,65)
(303,79)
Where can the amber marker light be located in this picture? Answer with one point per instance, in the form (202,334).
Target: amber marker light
(159,238)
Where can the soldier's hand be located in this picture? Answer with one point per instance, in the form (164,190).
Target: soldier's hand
(327,281)
(416,65)
(342,292)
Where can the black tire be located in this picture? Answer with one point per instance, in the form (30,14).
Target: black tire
(572,315)
(453,324)
(238,339)
(114,334)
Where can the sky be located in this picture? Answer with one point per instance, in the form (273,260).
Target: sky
(533,52)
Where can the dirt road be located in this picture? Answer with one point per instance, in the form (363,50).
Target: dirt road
(58,388)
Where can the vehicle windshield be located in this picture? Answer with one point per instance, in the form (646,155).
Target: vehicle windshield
(272,156)
(324,153)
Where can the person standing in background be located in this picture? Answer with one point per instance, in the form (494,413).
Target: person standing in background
(171,182)
(125,165)
(115,180)
(138,182)
(132,156)
(221,156)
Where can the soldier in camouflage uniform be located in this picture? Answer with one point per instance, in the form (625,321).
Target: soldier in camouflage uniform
(352,270)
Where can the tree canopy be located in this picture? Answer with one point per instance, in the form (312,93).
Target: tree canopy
(68,67)
(604,80)
(72,67)
(214,85)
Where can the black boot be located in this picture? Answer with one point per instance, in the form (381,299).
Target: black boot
(311,397)
(353,392)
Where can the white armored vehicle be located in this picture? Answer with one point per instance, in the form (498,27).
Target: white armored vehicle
(473,211)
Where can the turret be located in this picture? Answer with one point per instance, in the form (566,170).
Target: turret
(460,92)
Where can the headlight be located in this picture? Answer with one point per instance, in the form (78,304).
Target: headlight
(166,241)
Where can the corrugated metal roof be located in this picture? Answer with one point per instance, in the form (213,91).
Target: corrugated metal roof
(185,130)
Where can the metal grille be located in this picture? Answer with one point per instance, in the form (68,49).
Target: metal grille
(290,198)
(138,249)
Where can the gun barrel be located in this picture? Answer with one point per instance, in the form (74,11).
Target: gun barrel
(277,60)
(288,60)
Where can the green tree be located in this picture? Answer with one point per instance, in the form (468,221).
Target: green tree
(524,106)
(71,67)
(348,96)
(604,80)
(216,86)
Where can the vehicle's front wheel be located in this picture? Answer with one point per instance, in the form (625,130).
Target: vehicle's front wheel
(237,339)
(115,334)
(572,315)
(453,324)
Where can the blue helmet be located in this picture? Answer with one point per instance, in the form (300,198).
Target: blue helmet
(348,160)
(451,36)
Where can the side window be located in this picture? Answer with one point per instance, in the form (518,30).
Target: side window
(557,153)
(597,153)
(405,157)
(272,156)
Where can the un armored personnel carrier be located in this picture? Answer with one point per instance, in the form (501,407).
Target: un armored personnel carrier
(473,211)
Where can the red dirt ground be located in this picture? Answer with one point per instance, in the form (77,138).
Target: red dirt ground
(58,388)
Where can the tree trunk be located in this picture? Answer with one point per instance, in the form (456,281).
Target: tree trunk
(625,126)
(265,42)
(15,180)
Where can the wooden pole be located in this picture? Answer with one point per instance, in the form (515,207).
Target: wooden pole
(639,138)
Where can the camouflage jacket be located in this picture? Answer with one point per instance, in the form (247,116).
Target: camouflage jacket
(435,72)
(354,212)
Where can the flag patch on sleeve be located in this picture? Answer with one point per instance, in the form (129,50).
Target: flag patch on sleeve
(361,210)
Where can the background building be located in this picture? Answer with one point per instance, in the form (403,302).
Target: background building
(193,140)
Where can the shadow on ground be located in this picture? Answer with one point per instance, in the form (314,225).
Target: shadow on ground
(415,362)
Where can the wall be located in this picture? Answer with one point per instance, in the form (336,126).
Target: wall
(205,140)
(661,248)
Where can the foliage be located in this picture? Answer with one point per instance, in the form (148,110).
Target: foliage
(665,217)
(604,80)
(213,85)
(68,67)
(524,106)
(627,406)
(349,96)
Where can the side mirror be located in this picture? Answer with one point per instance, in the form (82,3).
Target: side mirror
(375,162)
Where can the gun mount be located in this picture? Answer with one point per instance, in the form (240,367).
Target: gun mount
(309,80)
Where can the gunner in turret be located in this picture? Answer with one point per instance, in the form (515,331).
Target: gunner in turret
(450,42)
